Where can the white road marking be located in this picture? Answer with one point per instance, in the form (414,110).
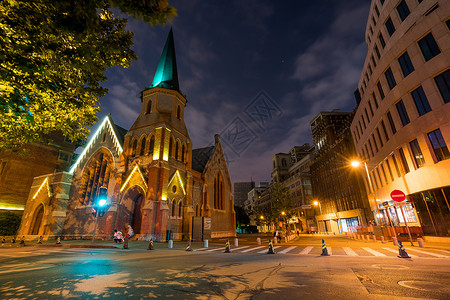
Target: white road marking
(248,250)
(430,253)
(349,251)
(265,251)
(287,250)
(240,248)
(200,249)
(376,253)
(306,250)
(396,252)
(215,249)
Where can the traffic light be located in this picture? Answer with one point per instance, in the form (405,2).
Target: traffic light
(102,201)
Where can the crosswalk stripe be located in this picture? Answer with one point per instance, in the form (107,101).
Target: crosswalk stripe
(264,251)
(306,250)
(430,253)
(349,251)
(200,249)
(376,253)
(248,250)
(287,249)
(215,249)
(396,252)
(240,248)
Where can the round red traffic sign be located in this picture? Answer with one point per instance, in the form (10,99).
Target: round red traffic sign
(398,195)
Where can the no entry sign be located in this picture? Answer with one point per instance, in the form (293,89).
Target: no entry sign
(398,195)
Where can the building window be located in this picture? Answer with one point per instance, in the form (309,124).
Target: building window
(367,150)
(403,10)
(373,61)
(170,147)
(382,2)
(403,159)
(142,146)
(377,11)
(421,101)
(374,21)
(388,166)
(379,176)
(152,145)
(364,122)
(381,39)
(443,84)
(182,153)
(417,153)
(283,162)
(390,26)
(178,113)
(377,52)
(380,90)
(405,64)
(375,100)
(149,107)
(370,68)
(133,148)
(429,47)
(371,149)
(375,143)
(379,137)
(391,122)
(397,169)
(177,146)
(439,146)
(448,24)
(384,173)
(384,131)
(401,109)
(370,108)
(390,78)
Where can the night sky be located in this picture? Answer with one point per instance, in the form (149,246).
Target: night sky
(256,72)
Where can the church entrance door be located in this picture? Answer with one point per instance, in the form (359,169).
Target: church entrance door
(137,213)
(37,220)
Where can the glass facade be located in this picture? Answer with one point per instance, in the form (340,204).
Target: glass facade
(433,210)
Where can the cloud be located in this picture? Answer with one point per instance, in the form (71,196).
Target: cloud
(330,67)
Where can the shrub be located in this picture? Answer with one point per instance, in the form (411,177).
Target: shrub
(9,223)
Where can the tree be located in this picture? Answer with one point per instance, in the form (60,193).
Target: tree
(9,223)
(53,56)
(242,219)
(280,201)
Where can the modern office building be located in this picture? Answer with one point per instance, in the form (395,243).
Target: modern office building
(240,192)
(338,191)
(401,126)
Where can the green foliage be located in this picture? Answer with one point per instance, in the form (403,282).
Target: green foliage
(242,219)
(9,223)
(53,56)
(280,201)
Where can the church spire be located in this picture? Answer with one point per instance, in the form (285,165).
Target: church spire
(166,75)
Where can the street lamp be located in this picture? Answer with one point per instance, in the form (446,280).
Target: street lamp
(317,203)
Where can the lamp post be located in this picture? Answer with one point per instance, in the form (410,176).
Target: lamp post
(317,203)
(357,164)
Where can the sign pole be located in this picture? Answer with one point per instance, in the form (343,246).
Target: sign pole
(95,227)
(406,224)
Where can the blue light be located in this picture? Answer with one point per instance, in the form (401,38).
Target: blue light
(102,202)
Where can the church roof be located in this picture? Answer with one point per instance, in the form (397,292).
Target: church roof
(166,75)
(121,133)
(200,158)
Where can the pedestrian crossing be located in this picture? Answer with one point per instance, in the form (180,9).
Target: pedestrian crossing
(335,251)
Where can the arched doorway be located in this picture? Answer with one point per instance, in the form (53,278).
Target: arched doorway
(137,213)
(37,220)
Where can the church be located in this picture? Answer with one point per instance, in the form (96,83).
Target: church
(154,179)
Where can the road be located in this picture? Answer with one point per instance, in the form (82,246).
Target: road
(57,273)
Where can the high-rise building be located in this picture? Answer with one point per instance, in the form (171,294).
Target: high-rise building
(401,126)
(339,196)
(240,192)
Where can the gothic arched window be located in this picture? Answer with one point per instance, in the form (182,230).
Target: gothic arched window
(149,107)
(176,150)
(174,207)
(170,146)
(133,148)
(178,113)
(180,209)
(142,152)
(152,145)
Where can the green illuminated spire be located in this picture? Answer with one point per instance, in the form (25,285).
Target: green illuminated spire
(166,75)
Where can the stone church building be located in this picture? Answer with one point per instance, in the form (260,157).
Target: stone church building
(156,182)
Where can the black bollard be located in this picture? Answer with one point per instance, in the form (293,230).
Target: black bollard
(188,248)
(270,248)
(401,251)
(324,249)
(150,245)
(22,242)
(227,247)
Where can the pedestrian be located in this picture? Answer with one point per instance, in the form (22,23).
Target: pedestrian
(277,235)
(118,237)
(130,232)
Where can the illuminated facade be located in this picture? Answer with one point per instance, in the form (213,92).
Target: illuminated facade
(337,189)
(401,127)
(155,181)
